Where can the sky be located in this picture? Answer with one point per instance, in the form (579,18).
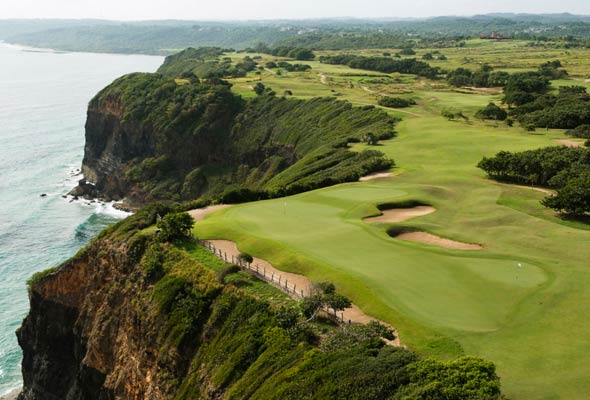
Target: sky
(275,9)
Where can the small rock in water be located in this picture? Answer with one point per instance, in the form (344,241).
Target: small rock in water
(43,195)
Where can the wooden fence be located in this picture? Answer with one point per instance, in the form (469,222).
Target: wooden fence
(270,277)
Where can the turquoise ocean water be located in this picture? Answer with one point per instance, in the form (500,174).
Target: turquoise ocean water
(43,99)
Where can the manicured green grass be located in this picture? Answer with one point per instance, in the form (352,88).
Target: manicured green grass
(528,319)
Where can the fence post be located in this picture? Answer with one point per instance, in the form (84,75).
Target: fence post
(264,272)
(225,256)
(301,292)
(286,287)
(279,279)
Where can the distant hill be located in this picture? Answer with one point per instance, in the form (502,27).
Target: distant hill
(169,36)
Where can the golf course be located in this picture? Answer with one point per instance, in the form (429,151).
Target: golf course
(518,300)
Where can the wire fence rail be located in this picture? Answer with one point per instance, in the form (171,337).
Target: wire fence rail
(271,277)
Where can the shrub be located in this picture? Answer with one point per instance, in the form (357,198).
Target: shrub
(408,51)
(395,102)
(245,257)
(581,131)
(493,112)
(228,270)
(175,226)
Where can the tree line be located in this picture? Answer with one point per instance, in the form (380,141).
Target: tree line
(565,169)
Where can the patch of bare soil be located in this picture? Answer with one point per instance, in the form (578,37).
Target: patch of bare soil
(428,238)
(401,214)
(570,143)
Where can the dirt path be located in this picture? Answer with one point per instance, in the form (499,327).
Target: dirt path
(428,238)
(323,79)
(352,314)
(375,175)
(570,143)
(401,214)
(536,189)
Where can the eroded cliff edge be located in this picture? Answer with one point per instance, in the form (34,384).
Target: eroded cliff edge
(131,317)
(161,137)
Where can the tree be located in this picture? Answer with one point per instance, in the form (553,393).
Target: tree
(428,56)
(573,198)
(493,112)
(175,226)
(337,302)
(259,89)
(323,295)
(301,54)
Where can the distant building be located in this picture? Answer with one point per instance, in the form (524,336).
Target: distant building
(494,36)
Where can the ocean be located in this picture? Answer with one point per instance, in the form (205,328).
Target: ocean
(43,99)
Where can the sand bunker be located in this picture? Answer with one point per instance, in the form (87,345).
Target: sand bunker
(376,175)
(570,143)
(200,213)
(401,214)
(427,238)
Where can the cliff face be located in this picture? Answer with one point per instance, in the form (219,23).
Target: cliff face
(110,144)
(131,318)
(150,138)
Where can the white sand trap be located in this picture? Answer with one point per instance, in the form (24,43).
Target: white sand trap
(401,214)
(200,213)
(570,143)
(376,175)
(427,238)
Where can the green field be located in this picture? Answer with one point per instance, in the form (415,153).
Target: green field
(529,320)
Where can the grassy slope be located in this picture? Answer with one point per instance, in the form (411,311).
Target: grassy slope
(528,320)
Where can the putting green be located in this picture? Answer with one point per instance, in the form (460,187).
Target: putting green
(520,301)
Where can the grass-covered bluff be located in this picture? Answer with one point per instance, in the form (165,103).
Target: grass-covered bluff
(163,137)
(195,330)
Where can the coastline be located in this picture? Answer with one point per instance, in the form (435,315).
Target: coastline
(12,395)
(33,49)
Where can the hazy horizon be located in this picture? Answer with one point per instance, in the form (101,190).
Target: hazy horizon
(234,10)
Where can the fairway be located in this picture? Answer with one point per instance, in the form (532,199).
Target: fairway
(509,302)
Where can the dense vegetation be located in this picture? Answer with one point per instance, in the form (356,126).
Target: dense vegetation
(568,109)
(395,102)
(383,64)
(206,141)
(563,168)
